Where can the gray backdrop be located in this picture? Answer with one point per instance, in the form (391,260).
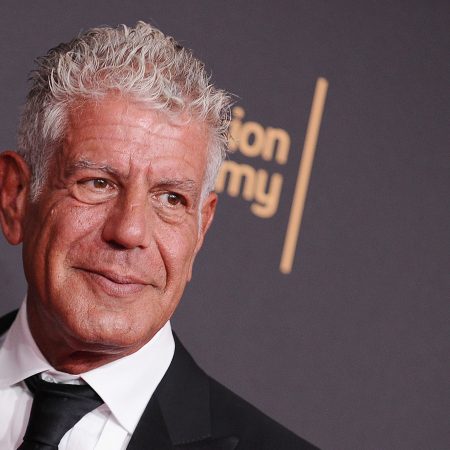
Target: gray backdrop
(349,350)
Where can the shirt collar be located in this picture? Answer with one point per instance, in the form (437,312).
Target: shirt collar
(20,357)
(125,385)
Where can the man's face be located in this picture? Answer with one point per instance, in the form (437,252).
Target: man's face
(109,245)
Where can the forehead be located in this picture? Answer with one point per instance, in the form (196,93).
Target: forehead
(116,128)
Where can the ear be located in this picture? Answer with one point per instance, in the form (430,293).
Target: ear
(14,188)
(206,218)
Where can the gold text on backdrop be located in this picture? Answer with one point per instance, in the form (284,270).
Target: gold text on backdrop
(304,174)
(262,188)
(255,185)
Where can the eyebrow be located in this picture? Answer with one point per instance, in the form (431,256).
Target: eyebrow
(86,164)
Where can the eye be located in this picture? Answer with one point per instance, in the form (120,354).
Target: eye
(94,190)
(99,183)
(172,199)
(96,184)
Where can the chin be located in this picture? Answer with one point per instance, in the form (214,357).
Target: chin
(112,332)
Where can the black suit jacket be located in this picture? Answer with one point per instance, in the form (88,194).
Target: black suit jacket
(191,411)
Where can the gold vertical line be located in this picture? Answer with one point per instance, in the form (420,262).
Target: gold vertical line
(304,174)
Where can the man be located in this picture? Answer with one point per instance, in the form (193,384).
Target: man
(111,194)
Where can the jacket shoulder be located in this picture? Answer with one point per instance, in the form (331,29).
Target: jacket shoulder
(232,414)
(6,321)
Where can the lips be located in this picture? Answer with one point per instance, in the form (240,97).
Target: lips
(113,283)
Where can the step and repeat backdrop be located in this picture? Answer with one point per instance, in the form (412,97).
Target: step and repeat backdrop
(321,293)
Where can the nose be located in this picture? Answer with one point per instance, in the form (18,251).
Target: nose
(127,224)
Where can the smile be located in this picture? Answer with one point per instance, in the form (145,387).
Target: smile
(114,284)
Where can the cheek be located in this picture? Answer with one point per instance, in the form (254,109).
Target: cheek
(177,248)
(79,233)
(53,236)
(81,220)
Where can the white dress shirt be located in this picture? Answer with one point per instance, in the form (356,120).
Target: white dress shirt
(125,385)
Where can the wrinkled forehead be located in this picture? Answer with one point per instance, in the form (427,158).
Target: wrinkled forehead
(136,114)
(117,132)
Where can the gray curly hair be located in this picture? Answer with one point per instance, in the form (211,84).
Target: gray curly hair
(140,63)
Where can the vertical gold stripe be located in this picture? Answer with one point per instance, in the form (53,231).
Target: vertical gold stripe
(304,174)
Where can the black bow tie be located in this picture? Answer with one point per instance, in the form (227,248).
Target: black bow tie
(56,409)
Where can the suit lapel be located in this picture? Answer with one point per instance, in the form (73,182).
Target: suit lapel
(226,443)
(7,320)
(151,431)
(183,396)
(180,408)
